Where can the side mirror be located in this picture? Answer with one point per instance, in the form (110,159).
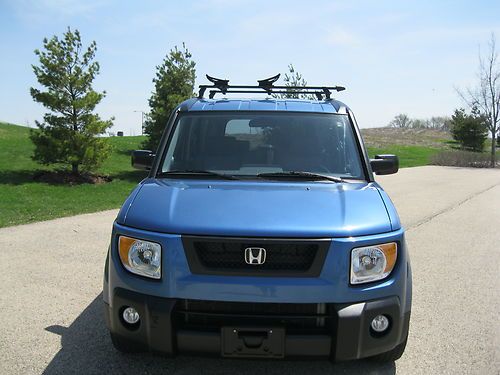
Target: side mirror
(385,164)
(142,159)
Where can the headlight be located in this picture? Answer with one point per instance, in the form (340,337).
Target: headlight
(140,257)
(372,263)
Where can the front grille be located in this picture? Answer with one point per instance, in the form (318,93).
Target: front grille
(230,255)
(294,317)
(225,256)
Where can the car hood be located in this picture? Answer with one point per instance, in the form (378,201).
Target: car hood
(256,208)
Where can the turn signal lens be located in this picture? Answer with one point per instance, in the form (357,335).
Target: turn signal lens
(372,263)
(140,257)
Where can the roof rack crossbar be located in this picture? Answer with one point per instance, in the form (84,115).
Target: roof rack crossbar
(265,86)
(319,94)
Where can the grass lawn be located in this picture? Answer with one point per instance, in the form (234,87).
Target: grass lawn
(414,147)
(23,200)
(409,156)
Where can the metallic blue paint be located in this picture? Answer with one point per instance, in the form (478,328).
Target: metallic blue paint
(331,286)
(258,208)
(330,106)
(391,210)
(122,215)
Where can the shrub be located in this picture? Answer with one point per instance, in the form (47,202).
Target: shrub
(470,130)
(461,159)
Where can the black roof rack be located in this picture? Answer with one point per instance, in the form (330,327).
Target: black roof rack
(265,86)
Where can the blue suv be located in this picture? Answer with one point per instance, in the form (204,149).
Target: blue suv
(260,232)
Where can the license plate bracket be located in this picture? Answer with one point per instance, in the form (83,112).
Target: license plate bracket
(253,342)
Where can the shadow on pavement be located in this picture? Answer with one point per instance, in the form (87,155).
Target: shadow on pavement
(86,348)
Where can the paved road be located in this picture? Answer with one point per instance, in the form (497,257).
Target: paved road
(50,277)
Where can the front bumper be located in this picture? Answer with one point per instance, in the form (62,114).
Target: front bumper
(345,332)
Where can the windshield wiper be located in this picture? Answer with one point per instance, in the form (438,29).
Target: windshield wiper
(194,172)
(301,174)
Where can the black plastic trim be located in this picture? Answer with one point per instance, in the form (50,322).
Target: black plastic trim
(365,160)
(301,346)
(165,139)
(155,330)
(349,338)
(353,332)
(196,266)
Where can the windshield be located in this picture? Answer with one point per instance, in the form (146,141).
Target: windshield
(252,143)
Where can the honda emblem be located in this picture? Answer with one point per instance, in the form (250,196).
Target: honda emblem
(255,255)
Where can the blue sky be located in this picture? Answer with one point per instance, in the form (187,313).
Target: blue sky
(393,56)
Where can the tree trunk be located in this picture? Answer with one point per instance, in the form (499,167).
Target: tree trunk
(74,168)
(493,145)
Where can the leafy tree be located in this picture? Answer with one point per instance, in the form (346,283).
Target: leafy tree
(486,96)
(470,130)
(401,121)
(294,78)
(174,83)
(69,133)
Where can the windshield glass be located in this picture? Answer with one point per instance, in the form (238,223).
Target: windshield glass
(251,143)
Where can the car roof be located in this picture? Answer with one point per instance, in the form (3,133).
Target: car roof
(267,104)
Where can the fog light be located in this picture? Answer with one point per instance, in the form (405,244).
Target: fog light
(130,315)
(380,323)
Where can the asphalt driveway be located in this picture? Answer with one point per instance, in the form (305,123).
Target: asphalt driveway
(51,279)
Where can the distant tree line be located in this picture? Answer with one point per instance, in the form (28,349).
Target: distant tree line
(404,121)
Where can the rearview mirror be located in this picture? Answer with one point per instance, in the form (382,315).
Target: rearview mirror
(262,122)
(385,164)
(142,159)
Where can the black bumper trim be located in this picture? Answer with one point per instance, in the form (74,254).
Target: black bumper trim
(295,345)
(350,338)
(354,336)
(155,327)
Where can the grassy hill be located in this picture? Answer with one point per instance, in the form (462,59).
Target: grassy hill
(23,200)
(415,147)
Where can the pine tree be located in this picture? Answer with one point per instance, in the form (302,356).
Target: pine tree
(174,83)
(469,130)
(294,79)
(69,132)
